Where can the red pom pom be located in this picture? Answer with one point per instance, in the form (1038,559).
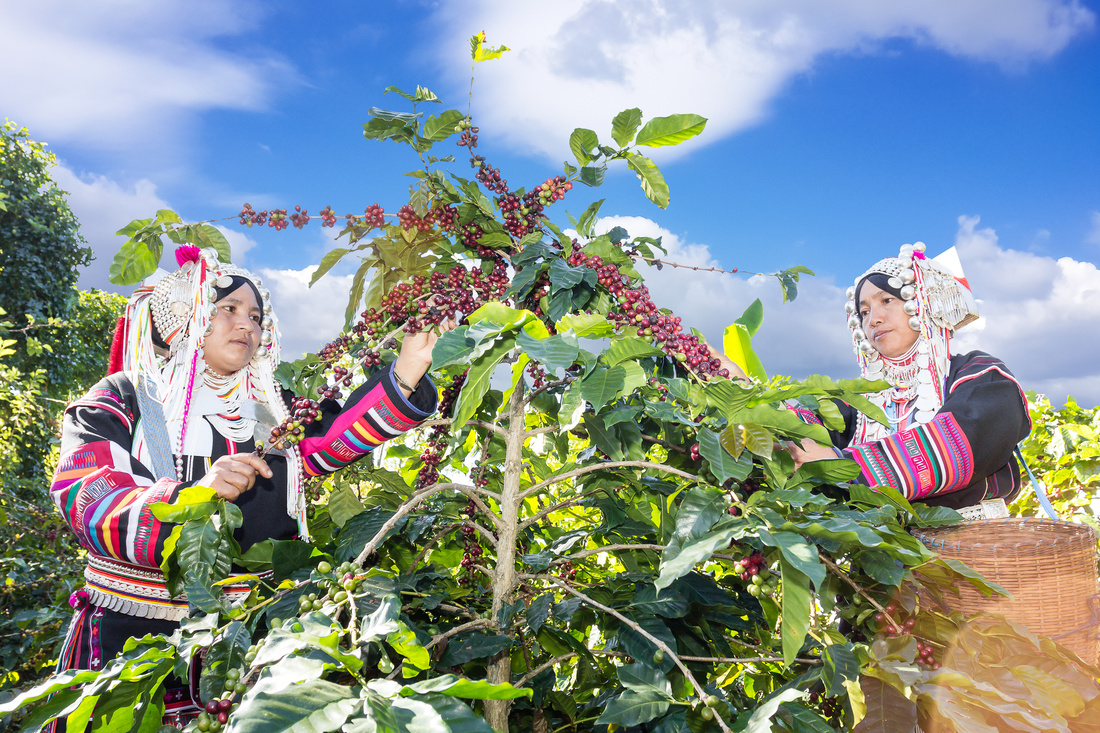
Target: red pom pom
(187,253)
(114,362)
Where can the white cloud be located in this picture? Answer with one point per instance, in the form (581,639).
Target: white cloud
(1039,314)
(308,317)
(579,62)
(103,207)
(1093,236)
(123,74)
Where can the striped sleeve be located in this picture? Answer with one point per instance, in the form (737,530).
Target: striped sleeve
(965,451)
(927,460)
(103,492)
(376,412)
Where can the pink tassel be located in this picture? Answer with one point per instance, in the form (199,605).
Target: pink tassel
(187,253)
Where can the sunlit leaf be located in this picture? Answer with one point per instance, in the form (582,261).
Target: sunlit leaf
(671,130)
(625,125)
(653,181)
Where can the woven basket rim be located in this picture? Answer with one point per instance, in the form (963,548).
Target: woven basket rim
(1059,532)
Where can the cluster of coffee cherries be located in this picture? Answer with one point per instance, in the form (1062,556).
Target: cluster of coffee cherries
(409,219)
(471,547)
(537,373)
(754,569)
(432,455)
(215,714)
(299,218)
(638,310)
(328,217)
(346,582)
(303,411)
(694,453)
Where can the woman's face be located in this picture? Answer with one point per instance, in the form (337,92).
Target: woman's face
(236,335)
(885,321)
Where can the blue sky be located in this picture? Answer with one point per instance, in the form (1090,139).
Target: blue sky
(838,130)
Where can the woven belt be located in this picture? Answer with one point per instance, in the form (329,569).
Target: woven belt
(990,509)
(137,590)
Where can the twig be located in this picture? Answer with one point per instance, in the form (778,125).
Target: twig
(560,505)
(699,689)
(604,466)
(657,261)
(411,503)
(665,443)
(476,423)
(479,623)
(539,431)
(858,589)
(545,665)
(607,548)
(549,385)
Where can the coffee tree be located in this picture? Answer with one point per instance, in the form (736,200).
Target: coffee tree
(598,531)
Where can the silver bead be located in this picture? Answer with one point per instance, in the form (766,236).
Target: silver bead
(853,322)
(908,292)
(918,246)
(911,307)
(267,309)
(859,335)
(266,338)
(210,253)
(850,307)
(209,329)
(907,276)
(850,293)
(266,324)
(265,294)
(914,323)
(258,283)
(211,294)
(212,311)
(906,250)
(866,347)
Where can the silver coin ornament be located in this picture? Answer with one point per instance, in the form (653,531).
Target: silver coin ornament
(911,307)
(907,277)
(908,292)
(914,323)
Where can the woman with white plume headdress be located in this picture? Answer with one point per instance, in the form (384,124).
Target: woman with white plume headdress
(190,389)
(953,420)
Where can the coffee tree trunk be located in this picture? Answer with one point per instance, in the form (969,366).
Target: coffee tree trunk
(504,574)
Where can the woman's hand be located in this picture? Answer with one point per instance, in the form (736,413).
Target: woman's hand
(810,450)
(415,358)
(736,372)
(233,475)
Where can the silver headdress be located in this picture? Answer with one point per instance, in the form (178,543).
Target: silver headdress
(938,300)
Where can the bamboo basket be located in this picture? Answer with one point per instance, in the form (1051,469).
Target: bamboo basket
(1049,567)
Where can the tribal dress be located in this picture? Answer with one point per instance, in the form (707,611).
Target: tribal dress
(960,457)
(105,485)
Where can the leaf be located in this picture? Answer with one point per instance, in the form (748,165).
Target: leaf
(383,621)
(355,293)
(582,142)
(554,352)
(653,182)
(625,125)
(315,706)
(455,686)
(438,128)
(753,317)
(479,52)
(760,721)
(722,464)
(633,708)
(887,709)
(477,382)
(671,130)
(538,611)
(360,530)
(840,666)
(700,508)
(737,345)
(630,348)
(643,678)
(473,645)
(585,325)
(796,609)
(586,225)
(404,642)
(798,552)
(343,504)
(434,713)
(676,564)
(208,235)
(136,260)
(602,385)
(327,262)
(641,648)
(593,175)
